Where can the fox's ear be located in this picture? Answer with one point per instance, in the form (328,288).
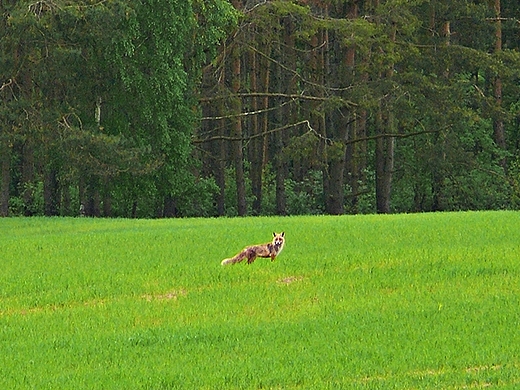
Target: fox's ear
(283,234)
(274,234)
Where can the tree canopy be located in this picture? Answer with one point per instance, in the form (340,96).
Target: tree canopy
(205,108)
(369,106)
(99,102)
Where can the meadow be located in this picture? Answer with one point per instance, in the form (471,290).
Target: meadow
(419,301)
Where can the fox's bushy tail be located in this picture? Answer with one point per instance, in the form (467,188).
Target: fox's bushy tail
(233,260)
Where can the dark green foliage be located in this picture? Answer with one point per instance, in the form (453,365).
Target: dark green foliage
(327,106)
(103,90)
(387,93)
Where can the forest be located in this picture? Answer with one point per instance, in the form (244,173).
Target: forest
(164,108)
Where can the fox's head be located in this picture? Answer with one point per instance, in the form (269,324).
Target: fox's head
(278,240)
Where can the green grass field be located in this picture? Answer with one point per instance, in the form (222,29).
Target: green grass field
(429,301)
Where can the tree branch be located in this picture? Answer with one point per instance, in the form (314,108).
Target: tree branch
(6,84)
(215,118)
(330,141)
(395,135)
(228,138)
(502,19)
(276,94)
(296,73)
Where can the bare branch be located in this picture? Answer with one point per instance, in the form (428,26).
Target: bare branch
(330,141)
(6,84)
(283,95)
(296,73)
(209,118)
(390,135)
(228,138)
(255,6)
(502,19)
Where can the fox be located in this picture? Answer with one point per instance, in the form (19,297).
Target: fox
(271,249)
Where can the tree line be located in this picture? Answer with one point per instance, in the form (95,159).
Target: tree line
(212,108)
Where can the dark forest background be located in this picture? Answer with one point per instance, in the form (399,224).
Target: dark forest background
(163,108)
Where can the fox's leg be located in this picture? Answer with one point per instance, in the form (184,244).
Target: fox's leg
(251,256)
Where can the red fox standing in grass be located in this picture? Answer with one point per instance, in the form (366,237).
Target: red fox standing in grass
(271,249)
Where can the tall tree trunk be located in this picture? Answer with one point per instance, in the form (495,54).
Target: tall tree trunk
(28,177)
(133,212)
(352,154)
(5,179)
(169,207)
(280,174)
(279,161)
(107,199)
(384,163)
(236,123)
(93,198)
(286,115)
(266,81)
(385,147)
(82,192)
(66,204)
(359,132)
(358,158)
(220,151)
(50,192)
(256,145)
(437,173)
(236,126)
(498,123)
(336,186)
(316,118)
(337,123)
(220,177)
